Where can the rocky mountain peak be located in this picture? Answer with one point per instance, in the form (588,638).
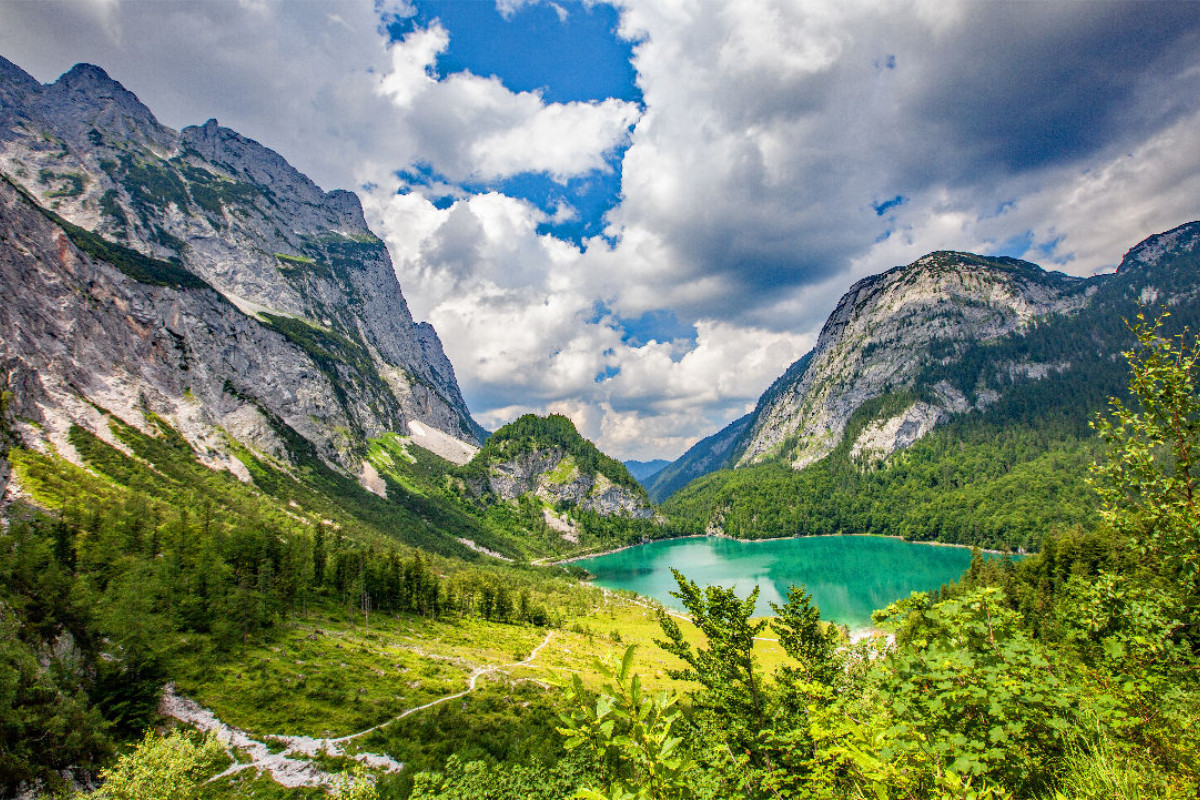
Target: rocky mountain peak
(872,344)
(15,85)
(85,98)
(1183,239)
(247,160)
(319,336)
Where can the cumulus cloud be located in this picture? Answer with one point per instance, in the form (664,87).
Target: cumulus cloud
(518,313)
(473,128)
(774,130)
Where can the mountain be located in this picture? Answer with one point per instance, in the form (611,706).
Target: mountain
(705,456)
(882,335)
(645,470)
(545,459)
(197,276)
(948,399)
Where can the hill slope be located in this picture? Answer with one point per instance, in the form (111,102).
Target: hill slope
(546,458)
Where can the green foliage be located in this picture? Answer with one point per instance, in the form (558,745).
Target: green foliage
(71,186)
(152,185)
(213,192)
(1150,481)
(1098,768)
(345,254)
(46,722)
(162,768)
(755,731)
(976,693)
(726,668)
(112,209)
(356,785)
(630,733)
(480,779)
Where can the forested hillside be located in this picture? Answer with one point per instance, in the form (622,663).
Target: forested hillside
(538,474)
(999,475)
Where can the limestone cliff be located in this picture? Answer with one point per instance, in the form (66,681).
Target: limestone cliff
(884,332)
(304,322)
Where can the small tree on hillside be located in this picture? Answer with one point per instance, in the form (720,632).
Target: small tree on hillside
(1150,482)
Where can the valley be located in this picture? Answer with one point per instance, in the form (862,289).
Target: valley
(243,495)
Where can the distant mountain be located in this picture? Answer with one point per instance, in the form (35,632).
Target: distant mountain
(707,455)
(197,276)
(644,470)
(963,354)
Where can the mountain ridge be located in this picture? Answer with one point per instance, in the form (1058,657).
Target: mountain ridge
(299,266)
(801,417)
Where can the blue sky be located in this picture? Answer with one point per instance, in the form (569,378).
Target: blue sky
(564,52)
(639,213)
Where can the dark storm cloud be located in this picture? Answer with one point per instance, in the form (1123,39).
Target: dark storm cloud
(1025,85)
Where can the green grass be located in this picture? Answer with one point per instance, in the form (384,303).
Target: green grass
(564,472)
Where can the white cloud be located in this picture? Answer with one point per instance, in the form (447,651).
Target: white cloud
(516,311)
(470,127)
(413,60)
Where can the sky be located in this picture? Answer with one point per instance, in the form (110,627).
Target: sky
(639,213)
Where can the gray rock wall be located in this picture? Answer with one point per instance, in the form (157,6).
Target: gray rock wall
(267,239)
(878,339)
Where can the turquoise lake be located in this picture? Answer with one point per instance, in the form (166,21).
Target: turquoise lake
(848,576)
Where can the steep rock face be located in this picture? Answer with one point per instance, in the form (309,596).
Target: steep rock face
(553,476)
(306,275)
(1162,249)
(884,331)
(78,337)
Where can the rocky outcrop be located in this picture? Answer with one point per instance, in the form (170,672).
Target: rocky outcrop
(79,338)
(885,331)
(304,322)
(553,476)
(880,438)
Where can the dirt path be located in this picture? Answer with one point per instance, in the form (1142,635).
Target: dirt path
(287,758)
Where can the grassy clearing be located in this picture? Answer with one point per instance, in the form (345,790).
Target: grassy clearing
(322,676)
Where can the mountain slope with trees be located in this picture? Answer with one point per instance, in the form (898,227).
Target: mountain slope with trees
(1009,465)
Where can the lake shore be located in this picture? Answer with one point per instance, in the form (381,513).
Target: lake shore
(570,559)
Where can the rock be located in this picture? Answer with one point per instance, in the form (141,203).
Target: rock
(885,330)
(304,324)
